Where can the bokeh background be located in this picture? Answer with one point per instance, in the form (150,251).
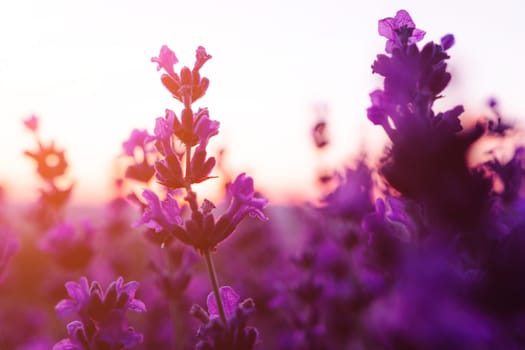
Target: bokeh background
(84,68)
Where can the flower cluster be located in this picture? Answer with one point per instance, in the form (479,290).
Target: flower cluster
(182,160)
(214,334)
(51,166)
(103,323)
(193,129)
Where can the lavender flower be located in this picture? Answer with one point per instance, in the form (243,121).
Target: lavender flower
(187,85)
(399,30)
(103,324)
(214,335)
(141,169)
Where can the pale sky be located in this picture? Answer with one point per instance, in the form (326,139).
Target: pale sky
(84,68)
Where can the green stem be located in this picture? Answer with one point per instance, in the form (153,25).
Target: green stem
(215,285)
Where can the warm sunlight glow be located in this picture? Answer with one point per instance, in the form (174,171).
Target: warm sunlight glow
(85,70)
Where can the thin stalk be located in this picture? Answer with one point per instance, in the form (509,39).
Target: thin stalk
(215,285)
(188,160)
(175,324)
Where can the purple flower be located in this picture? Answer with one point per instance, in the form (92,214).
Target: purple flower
(164,132)
(201,57)
(352,197)
(166,60)
(168,172)
(70,246)
(31,123)
(447,41)
(230,300)
(160,216)
(136,140)
(244,200)
(204,127)
(117,336)
(399,30)
(91,301)
(8,246)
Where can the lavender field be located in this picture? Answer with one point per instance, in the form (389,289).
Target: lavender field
(421,248)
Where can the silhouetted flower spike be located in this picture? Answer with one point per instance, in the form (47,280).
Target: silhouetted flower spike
(188,86)
(160,215)
(136,140)
(399,30)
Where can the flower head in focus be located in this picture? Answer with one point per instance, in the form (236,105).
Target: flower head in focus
(187,86)
(399,30)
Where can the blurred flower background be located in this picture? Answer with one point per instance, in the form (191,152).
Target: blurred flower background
(84,68)
(251,202)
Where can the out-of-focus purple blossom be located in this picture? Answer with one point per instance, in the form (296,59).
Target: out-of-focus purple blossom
(448,122)
(31,123)
(119,336)
(163,133)
(447,41)
(137,147)
(426,309)
(136,140)
(103,324)
(161,216)
(399,30)
(9,245)
(214,335)
(319,134)
(201,56)
(71,246)
(353,195)
(174,279)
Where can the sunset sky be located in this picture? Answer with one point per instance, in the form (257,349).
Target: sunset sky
(84,68)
